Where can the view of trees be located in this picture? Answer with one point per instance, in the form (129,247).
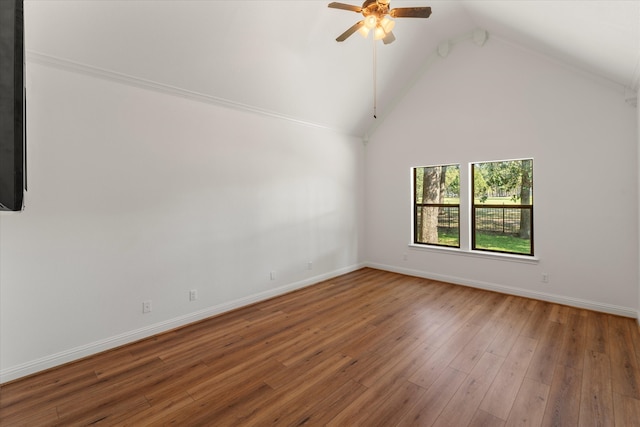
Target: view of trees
(511,180)
(502,205)
(437,188)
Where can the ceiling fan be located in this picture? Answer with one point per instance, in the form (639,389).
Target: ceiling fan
(376,17)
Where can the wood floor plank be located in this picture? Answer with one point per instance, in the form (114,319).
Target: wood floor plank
(635,338)
(573,346)
(125,386)
(492,306)
(395,378)
(219,409)
(174,379)
(464,311)
(536,324)
(429,406)
(370,348)
(543,364)
(625,371)
(47,416)
(465,402)
(563,409)
(454,334)
(256,348)
(467,359)
(395,405)
(597,332)
(320,412)
(485,419)
(442,357)
(294,374)
(627,410)
(246,374)
(399,338)
(504,389)
(192,347)
(336,389)
(558,314)
(529,406)
(26,396)
(301,344)
(417,353)
(364,366)
(157,412)
(514,319)
(596,403)
(294,395)
(112,412)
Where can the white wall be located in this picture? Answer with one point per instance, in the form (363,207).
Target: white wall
(502,102)
(138,195)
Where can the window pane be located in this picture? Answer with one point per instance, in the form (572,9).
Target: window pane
(501,229)
(502,212)
(503,183)
(437,205)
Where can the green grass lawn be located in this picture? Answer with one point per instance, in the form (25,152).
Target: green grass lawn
(494,242)
(503,243)
(448,237)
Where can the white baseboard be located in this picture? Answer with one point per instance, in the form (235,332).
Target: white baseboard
(543,296)
(57,359)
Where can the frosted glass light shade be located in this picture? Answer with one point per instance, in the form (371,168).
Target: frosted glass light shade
(387,24)
(370,22)
(379,33)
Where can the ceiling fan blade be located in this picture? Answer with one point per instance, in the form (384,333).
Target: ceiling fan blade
(344,6)
(389,38)
(410,12)
(355,27)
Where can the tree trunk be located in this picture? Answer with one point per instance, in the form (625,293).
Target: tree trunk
(525,199)
(430,194)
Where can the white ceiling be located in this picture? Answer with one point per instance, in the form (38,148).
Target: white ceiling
(281,57)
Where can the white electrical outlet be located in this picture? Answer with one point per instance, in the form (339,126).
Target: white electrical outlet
(272,275)
(193,294)
(146,306)
(545,278)
(310,265)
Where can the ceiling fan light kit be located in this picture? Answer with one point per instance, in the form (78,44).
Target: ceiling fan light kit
(377,17)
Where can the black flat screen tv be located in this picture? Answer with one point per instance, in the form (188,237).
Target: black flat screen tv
(12,105)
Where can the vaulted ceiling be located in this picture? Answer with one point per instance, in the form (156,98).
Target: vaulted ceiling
(281,57)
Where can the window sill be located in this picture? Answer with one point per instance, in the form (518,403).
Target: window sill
(477,254)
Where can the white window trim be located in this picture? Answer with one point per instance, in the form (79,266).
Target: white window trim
(526,259)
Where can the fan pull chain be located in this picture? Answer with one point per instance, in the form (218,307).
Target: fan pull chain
(375,95)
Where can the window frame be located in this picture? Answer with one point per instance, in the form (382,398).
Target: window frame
(467,216)
(417,206)
(473,210)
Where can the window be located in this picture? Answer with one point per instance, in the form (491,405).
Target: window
(502,206)
(500,203)
(437,205)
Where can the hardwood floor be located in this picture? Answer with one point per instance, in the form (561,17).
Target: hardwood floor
(369,348)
